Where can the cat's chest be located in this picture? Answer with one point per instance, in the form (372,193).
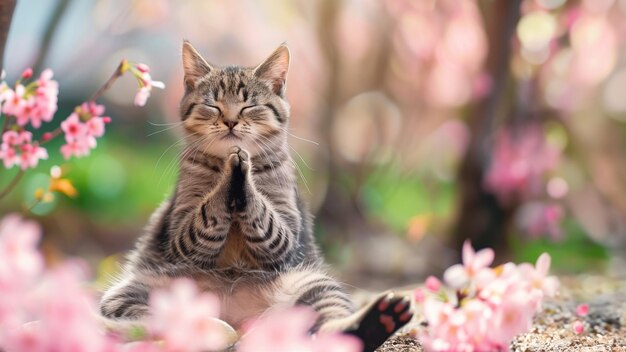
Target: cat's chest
(233,253)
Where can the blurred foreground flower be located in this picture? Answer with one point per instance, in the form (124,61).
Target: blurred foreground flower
(186,319)
(287,331)
(44,310)
(485,307)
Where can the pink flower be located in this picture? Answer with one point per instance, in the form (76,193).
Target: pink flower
(77,148)
(419,295)
(8,155)
(60,322)
(28,73)
(538,276)
(35,105)
(81,136)
(433,284)
(73,128)
(20,267)
(287,330)
(95,126)
(11,138)
(582,310)
(142,96)
(17,149)
(146,83)
(31,154)
(578,327)
(92,109)
(21,261)
(186,318)
(520,159)
(473,263)
(14,102)
(488,307)
(143,68)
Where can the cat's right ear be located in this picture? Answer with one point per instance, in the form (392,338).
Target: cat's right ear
(194,65)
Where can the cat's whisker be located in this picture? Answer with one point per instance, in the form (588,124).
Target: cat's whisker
(301,158)
(179,141)
(269,160)
(180,156)
(283,176)
(165,123)
(163,130)
(300,138)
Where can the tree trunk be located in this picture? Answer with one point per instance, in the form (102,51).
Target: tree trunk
(481,218)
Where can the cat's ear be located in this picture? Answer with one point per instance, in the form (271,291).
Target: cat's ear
(274,69)
(194,65)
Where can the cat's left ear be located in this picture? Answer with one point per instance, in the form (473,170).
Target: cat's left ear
(194,65)
(274,69)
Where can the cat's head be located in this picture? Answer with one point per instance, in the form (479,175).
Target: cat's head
(234,106)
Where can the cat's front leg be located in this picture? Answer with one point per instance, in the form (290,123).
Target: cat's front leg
(240,186)
(269,228)
(201,228)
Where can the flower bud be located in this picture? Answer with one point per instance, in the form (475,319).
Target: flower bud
(28,73)
(142,67)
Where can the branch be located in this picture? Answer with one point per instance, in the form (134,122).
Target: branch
(16,179)
(6,14)
(48,34)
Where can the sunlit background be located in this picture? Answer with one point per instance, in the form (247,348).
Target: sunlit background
(414,125)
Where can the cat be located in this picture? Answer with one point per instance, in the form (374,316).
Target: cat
(235,223)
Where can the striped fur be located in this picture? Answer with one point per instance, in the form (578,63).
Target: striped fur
(234,223)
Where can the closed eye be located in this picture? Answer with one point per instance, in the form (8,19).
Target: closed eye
(215,109)
(247,109)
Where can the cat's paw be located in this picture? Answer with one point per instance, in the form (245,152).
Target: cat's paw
(239,159)
(388,314)
(239,162)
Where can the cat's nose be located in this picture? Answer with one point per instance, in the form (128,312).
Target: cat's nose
(231,124)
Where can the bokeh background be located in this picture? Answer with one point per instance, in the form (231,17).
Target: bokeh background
(415,124)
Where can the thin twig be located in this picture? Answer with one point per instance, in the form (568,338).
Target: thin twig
(12,184)
(117,74)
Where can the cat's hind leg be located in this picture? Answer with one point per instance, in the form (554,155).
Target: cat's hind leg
(311,287)
(128,300)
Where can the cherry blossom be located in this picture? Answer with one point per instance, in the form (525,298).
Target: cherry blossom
(186,319)
(578,327)
(489,305)
(141,72)
(17,149)
(519,161)
(34,103)
(433,283)
(82,128)
(473,263)
(60,322)
(287,330)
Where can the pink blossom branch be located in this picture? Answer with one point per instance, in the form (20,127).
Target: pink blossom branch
(56,132)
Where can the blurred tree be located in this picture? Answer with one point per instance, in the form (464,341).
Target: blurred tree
(481,218)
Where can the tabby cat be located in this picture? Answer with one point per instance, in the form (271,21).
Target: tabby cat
(235,223)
